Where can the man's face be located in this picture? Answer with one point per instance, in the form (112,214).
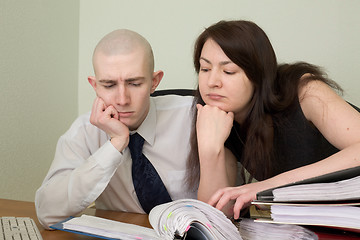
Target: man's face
(125,82)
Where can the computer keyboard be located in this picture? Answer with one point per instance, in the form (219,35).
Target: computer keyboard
(18,228)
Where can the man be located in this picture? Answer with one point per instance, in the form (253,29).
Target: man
(93,161)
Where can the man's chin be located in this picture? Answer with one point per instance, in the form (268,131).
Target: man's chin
(130,124)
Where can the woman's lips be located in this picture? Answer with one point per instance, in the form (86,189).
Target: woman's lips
(213,96)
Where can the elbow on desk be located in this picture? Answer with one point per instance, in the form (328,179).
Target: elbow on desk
(47,218)
(46,211)
(41,215)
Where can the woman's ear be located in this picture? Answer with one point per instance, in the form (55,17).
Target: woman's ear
(157,76)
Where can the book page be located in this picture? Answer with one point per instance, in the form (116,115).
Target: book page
(176,218)
(109,228)
(342,190)
(251,230)
(340,216)
(317,194)
(181,215)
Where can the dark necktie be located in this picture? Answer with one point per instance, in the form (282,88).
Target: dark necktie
(148,185)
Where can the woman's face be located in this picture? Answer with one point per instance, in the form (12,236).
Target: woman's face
(222,83)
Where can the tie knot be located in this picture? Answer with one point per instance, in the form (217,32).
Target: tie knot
(136,144)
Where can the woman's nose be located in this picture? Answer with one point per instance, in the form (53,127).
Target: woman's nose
(214,79)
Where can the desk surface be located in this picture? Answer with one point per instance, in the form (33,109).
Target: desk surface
(27,209)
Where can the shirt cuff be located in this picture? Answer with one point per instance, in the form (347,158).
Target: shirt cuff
(108,156)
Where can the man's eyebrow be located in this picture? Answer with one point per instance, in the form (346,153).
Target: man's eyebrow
(131,79)
(106,81)
(221,63)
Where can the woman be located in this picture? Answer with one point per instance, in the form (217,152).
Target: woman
(283,123)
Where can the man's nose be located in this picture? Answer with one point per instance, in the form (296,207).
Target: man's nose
(122,96)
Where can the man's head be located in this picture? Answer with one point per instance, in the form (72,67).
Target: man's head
(124,75)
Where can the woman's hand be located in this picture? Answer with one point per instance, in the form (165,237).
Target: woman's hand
(213,127)
(217,169)
(243,195)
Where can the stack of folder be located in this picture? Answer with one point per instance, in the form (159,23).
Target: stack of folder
(330,201)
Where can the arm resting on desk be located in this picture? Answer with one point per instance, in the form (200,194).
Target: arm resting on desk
(74,182)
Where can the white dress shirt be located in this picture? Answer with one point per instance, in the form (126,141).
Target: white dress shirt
(88,168)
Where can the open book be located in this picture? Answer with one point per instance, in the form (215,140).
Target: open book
(178,219)
(183,219)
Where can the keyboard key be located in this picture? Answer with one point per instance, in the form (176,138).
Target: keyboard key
(18,228)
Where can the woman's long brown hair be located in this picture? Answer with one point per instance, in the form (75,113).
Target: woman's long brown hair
(275,89)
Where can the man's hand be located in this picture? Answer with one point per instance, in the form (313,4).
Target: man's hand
(107,119)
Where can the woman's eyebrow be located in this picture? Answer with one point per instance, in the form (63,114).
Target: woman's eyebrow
(202,58)
(221,63)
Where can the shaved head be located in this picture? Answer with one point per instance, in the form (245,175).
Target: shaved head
(123,42)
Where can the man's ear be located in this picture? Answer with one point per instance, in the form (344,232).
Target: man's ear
(92,81)
(157,76)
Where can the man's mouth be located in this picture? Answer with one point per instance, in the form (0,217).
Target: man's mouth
(125,114)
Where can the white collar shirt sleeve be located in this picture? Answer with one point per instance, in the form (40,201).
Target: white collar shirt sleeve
(87,168)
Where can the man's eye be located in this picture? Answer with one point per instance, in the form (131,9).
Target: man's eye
(135,84)
(109,86)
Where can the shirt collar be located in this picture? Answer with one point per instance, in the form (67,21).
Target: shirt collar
(148,126)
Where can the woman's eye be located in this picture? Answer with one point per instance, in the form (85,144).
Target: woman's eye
(229,73)
(204,69)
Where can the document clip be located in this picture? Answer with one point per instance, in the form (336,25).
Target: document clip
(236,222)
(177,236)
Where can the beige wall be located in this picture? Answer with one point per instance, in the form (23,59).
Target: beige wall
(38,88)
(323,32)
(46,47)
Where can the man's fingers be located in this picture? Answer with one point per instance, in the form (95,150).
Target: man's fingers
(100,113)
(98,106)
(110,112)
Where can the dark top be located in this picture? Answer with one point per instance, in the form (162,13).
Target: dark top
(296,142)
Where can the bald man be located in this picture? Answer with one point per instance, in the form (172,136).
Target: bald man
(92,160)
